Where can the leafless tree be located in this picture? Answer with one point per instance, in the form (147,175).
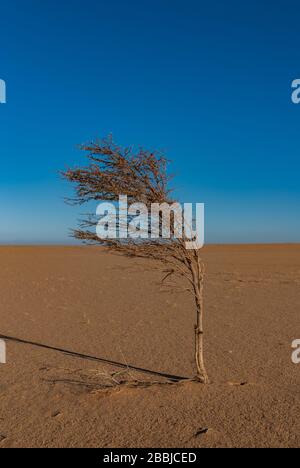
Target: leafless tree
(142,176)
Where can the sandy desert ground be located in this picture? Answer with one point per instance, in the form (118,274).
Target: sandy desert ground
(94,304)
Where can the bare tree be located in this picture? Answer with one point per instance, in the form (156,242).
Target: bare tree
(142,176)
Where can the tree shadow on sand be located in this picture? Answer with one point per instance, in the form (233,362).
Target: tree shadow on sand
(126,367)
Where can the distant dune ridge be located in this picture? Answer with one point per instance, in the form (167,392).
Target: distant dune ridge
(97,305)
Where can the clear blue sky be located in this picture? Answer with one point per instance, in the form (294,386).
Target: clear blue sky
(209,82)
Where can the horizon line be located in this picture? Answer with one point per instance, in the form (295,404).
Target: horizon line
(58,244)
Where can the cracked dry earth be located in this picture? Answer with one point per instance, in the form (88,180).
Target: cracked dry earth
(94,304)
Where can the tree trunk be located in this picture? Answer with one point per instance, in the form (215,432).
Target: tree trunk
(201,371)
